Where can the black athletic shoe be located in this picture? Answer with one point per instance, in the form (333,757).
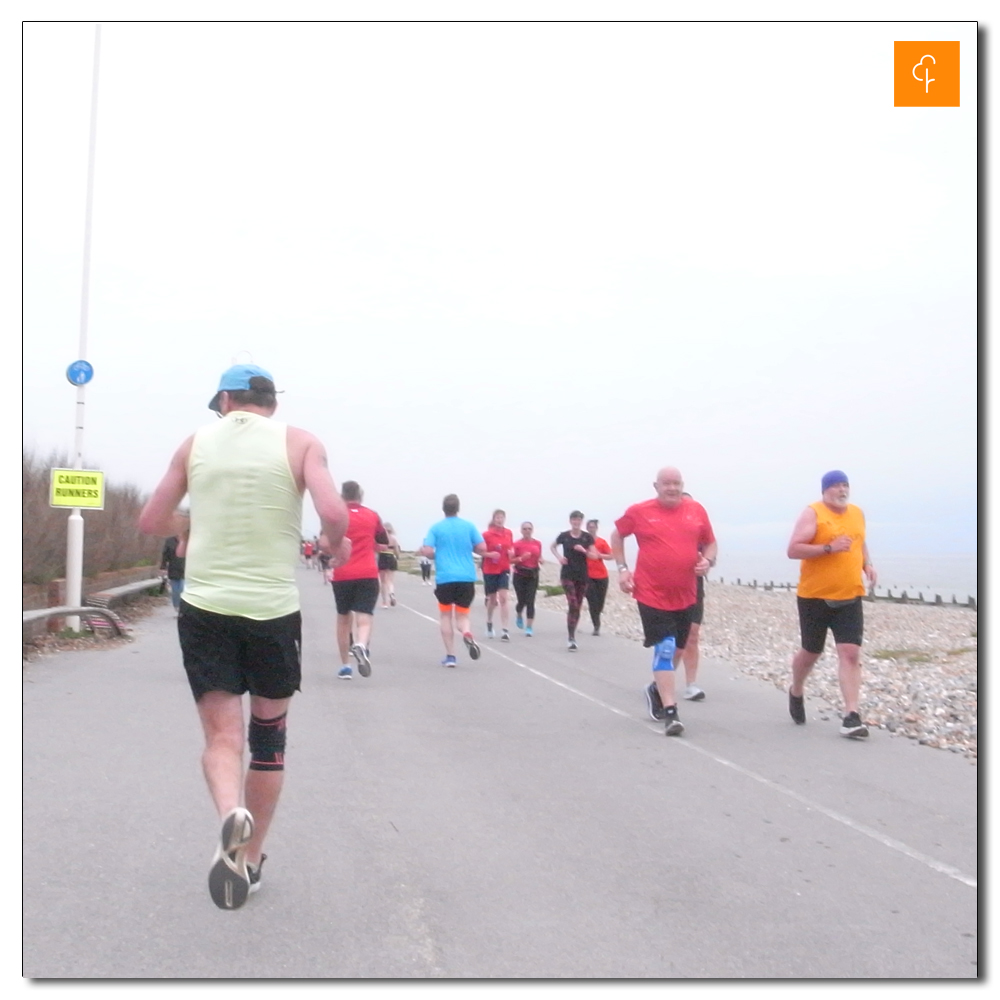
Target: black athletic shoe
(852,727)
(656,710)
(254,873)
(674,726)
(361,655)
(505,636)
(571,645)
(797,708)
(228,879)
(597,631)
(470,645)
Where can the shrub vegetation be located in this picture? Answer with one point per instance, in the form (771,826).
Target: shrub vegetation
(111,539)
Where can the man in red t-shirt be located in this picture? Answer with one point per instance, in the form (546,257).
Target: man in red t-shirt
(355,584)
(496,572)
(676,545)
(597,577)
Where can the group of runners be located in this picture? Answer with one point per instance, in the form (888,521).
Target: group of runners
(239,622)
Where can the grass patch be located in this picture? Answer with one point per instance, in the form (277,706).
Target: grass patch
(961,650)
(552,590)
(910,655)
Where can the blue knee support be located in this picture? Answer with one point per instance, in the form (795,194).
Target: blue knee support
(663,653)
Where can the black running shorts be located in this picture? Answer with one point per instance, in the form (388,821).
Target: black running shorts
(386,560)
(492,582)
(356,595)
(657,624)
(460,593)
(846,620)
(234,654)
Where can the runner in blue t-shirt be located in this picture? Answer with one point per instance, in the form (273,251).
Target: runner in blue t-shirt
(451,543)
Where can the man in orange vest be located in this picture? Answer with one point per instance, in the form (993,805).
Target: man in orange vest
(829,538)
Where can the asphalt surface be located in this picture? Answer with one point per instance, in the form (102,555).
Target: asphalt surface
(516,817)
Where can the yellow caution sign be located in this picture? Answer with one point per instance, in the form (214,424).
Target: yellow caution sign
(77,488)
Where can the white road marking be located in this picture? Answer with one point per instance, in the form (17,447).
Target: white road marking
(895,845)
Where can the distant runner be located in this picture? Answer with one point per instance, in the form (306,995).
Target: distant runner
(355,584)
(577,547)
(597,577)
(676,544)
(451,543)
(239,623)
(496,573)
(388,563)
(829,538)
(425,571)
(527,558)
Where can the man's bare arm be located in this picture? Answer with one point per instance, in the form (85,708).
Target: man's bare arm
(160,515)
(801,545)
(618,551)
(333,514)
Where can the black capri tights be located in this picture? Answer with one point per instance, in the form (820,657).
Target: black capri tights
(526,586)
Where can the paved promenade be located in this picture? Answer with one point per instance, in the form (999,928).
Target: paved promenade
(517,817)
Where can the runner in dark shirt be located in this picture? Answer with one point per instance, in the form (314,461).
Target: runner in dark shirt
(577,546)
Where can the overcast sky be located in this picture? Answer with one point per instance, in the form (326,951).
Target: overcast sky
(526,263)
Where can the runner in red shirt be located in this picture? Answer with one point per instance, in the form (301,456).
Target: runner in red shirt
(676,545)
(526,559)
(597,577)
(496,572)
(356,583)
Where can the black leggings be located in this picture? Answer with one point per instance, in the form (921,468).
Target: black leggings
(525,586)
(597,590)
(425,571)
(575,591)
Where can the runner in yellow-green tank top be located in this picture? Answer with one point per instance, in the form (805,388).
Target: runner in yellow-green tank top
(239,623)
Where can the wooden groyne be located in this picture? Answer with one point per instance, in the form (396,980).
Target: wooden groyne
(873,595)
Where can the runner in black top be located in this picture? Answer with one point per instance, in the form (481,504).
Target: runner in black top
(577,546)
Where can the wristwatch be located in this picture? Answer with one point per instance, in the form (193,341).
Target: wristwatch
(827,549)
(622,568)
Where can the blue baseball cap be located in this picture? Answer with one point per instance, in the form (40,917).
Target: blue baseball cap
(833,477)
(240,378)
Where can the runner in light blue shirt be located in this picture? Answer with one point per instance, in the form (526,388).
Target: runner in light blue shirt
(451,543)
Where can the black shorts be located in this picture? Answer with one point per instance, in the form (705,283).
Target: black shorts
(845,620)
(658,624)
(492,582)
(386,560)
(698,610)
(234,654)
(459,593)
(356,595)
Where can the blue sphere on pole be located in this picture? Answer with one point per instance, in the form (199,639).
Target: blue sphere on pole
(80,372)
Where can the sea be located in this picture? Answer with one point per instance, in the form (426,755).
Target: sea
(945,575)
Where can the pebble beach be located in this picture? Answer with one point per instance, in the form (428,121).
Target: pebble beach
(920,662)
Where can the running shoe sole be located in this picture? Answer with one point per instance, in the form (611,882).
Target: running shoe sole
(470,644)
(700,696)
(228,878)
(674,728)
(361,655)
(858,732)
